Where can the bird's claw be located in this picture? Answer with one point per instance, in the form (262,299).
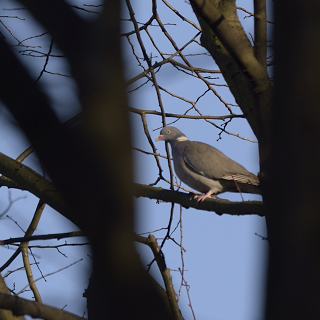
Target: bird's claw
(201,197)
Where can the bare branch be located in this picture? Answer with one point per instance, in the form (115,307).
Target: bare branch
(173,115)
(46,61)
(260,31)
(49,236)
(20,306)
(165,272)
(230,39)
(255,95)
(220,207)
(24,249)
(50,274)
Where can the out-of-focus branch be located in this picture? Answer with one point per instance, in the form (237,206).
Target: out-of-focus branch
(70,40)
(24,249)
(95,181)
(27,179)
(7,314)
(20,306)
(66,124)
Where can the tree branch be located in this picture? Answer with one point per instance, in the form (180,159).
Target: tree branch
(232,42)
(260,31)
(6,314)
(220,207)
(185,116)
(151,242)
(24,246)
(26,178)
(20,306)
(223,36)
(49,236)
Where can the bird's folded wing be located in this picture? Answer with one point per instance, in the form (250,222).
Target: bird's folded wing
(212,163)
(242,179)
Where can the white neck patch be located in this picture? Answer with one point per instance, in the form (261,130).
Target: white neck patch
(182,139)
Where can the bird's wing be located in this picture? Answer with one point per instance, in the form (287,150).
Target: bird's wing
(248,178)
(212,163)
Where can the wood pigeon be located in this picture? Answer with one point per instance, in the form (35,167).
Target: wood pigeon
(205,168)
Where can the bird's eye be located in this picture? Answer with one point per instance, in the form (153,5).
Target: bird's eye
(168,131)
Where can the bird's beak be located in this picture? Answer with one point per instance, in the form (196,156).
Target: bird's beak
(159,138)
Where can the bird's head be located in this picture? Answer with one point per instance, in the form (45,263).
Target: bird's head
(171,134)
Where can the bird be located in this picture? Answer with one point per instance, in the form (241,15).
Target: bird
(206,169)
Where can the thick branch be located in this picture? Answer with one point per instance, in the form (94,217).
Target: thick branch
(232,42)
(220,207)
(260,31)
(224,37)
(28,179)
(20,306)
(6,314)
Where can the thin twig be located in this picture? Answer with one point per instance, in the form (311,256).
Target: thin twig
(24,249)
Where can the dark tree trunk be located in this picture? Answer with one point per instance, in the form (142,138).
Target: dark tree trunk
(292,190)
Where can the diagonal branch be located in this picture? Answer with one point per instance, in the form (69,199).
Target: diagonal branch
(20,306)
(151,242)
(223,36)
(27,179)
(24,246)
(231,40)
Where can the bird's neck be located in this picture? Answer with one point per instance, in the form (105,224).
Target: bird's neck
(183,138)
(178,141)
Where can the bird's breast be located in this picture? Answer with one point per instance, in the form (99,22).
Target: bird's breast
(193,179)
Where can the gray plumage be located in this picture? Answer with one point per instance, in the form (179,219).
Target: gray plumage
(205,168)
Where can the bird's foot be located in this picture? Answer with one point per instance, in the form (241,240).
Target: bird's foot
(201,197)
